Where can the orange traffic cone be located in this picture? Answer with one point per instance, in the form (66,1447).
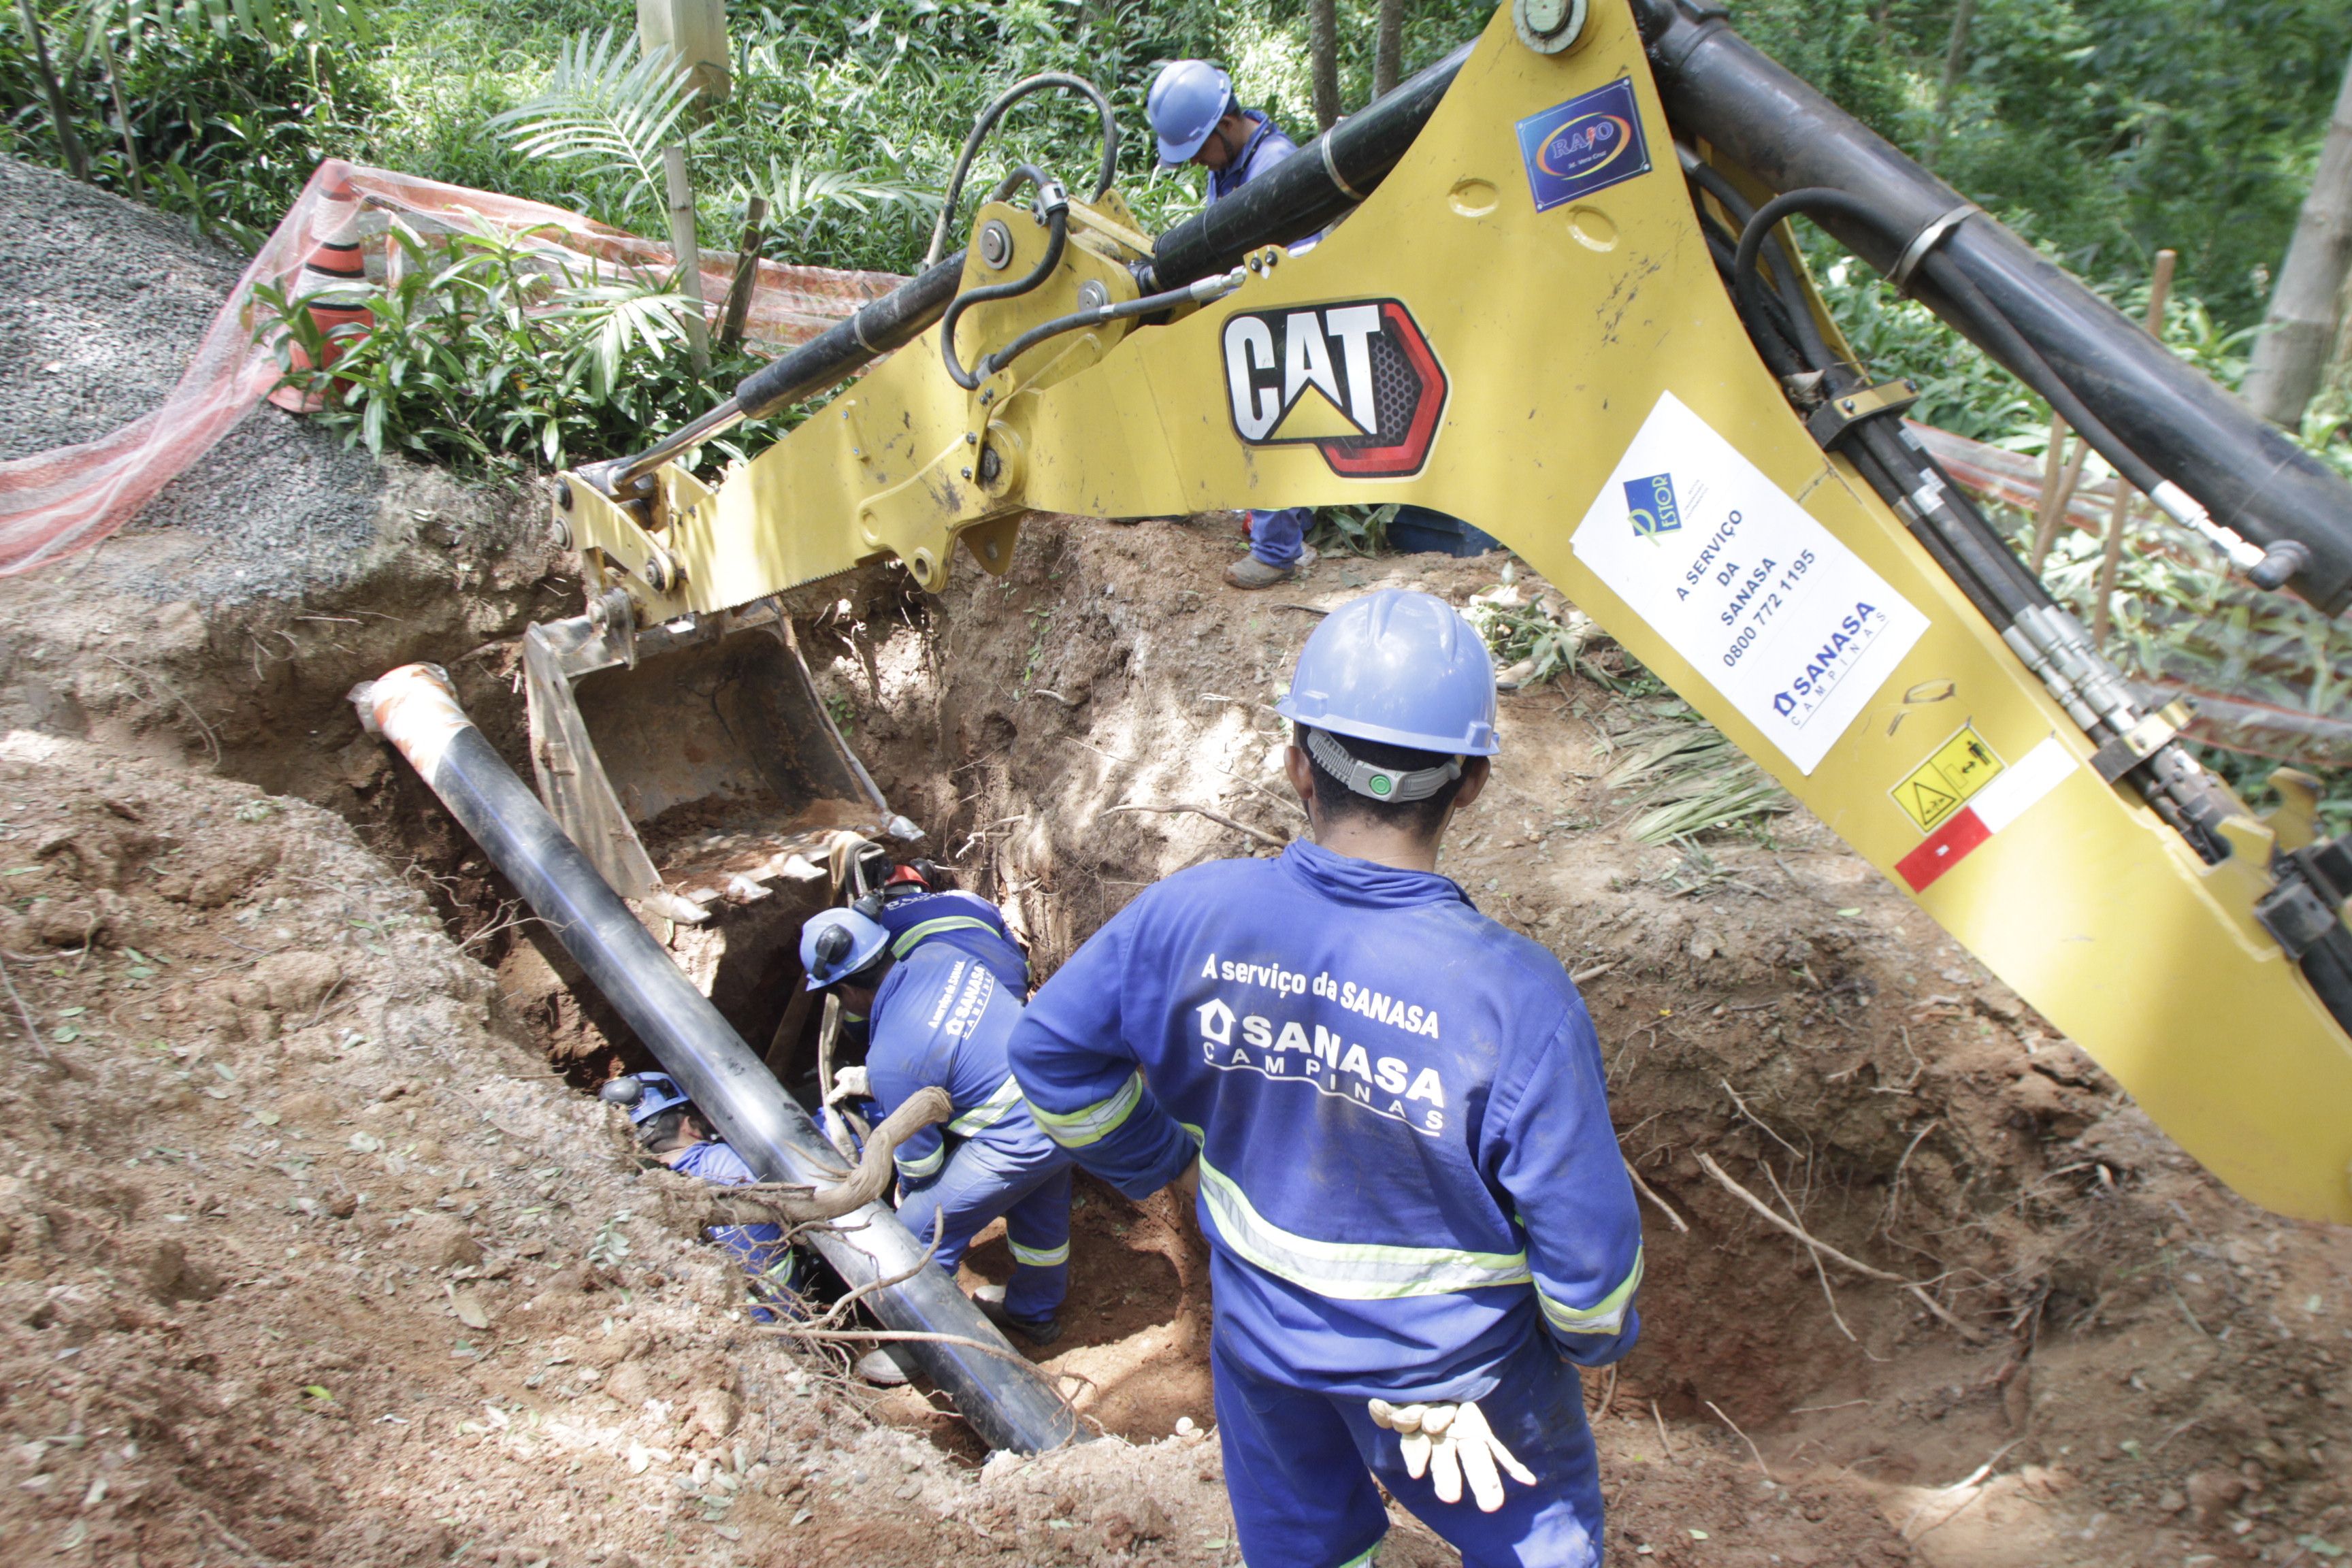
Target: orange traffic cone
(332,285)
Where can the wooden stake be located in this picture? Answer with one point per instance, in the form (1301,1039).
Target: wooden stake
(2118,519)
(2046,514)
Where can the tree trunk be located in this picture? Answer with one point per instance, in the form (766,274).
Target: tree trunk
(1956,53)
(1388,48)
(1323,55)
(2300,326)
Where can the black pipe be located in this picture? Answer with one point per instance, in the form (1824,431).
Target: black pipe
(1004,1397)
(1304,192)
(1719,88)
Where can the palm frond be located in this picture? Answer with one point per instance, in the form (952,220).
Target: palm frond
(606,107)
(1691,778)
(810,192)
(606,319)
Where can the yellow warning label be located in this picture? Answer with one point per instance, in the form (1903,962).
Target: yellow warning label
(1940,786)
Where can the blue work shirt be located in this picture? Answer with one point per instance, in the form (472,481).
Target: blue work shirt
(760,1248)
(1265,147)
(1407,1166)
(941,1019)
(965,921)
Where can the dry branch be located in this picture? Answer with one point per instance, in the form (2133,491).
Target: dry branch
(1219,818)
(1665,1207)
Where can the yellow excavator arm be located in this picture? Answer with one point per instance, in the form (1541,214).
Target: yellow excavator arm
(1525,323)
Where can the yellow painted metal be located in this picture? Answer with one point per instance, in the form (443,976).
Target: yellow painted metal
(1558,332)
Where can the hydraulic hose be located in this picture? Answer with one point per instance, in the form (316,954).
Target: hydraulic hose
(1053,206)
(1306,192)
(832,356)
(1198,294)
(987,122)
(1002,1394)
(1719,89)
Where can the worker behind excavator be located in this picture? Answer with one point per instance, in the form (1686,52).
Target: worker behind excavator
(1198,120)
(916,904)
(1394,1111)
(939,1017)
(672,1131)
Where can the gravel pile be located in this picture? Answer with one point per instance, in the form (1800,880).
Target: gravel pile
(102,302)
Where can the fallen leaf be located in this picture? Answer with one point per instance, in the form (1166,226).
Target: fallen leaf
(315,1391)
(469,1308)
(71,1012)
(65,1034)
(366,1142)
(1699,1535)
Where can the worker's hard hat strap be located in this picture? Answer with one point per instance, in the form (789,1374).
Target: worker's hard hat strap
(1380,784)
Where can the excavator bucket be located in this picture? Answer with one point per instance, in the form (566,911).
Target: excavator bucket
(692,762)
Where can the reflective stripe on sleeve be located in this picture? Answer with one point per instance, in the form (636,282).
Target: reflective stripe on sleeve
(914,936)
(1606,1317)
(988,1112)
(1039,1256)
(1350,1272)
(916,1170)
(1092,1124)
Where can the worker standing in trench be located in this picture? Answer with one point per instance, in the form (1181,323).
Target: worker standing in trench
(1393,1111)
(940,1017)
(1198,119)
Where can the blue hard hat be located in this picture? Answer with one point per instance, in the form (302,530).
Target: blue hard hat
(828,957)
(1187,100)
(646,1094)
(1399,667)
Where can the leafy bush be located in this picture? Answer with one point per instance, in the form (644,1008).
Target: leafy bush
(479,355)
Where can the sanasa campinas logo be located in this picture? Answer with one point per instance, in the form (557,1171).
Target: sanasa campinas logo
(1355,380)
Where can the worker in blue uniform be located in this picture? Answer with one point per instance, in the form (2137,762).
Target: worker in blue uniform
(940,1016)
(672,1131)
(1198,119)
(914,909)
(1394,1113)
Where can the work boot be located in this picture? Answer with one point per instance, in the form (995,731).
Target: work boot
(1038,1332)
(1249,572)
(878,1368)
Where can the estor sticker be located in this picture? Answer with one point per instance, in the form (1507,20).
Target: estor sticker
(1790,624)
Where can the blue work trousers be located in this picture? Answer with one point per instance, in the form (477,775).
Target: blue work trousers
(982,1180)
(1276,537)
(1299,1467)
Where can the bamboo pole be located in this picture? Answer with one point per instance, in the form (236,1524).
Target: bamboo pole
(688,254)
(2111,558)
(2046,514)
(747,273)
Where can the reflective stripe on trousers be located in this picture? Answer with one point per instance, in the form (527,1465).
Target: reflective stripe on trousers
(988,1112)
(1093,1123)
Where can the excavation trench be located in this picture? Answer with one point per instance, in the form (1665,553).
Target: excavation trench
(1769,1008)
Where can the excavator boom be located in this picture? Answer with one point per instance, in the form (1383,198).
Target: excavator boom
(1556,303)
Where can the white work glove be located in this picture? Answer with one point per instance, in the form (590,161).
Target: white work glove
(849,1083)
(1451,1441)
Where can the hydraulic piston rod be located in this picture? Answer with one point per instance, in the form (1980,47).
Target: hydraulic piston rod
(1008,1403)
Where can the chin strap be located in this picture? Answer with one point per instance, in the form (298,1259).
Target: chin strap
(1380,784)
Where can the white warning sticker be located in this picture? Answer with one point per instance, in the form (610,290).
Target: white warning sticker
(1787,622)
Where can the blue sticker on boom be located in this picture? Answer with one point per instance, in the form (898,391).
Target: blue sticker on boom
(1586,144)
(1650,506)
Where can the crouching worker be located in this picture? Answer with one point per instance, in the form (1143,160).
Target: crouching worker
(669,1129)
(939,1017)
(1393,1108)
(917,904)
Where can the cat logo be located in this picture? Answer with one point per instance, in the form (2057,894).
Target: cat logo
(1355,380)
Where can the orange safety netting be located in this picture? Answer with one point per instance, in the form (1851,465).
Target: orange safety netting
(68,499)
